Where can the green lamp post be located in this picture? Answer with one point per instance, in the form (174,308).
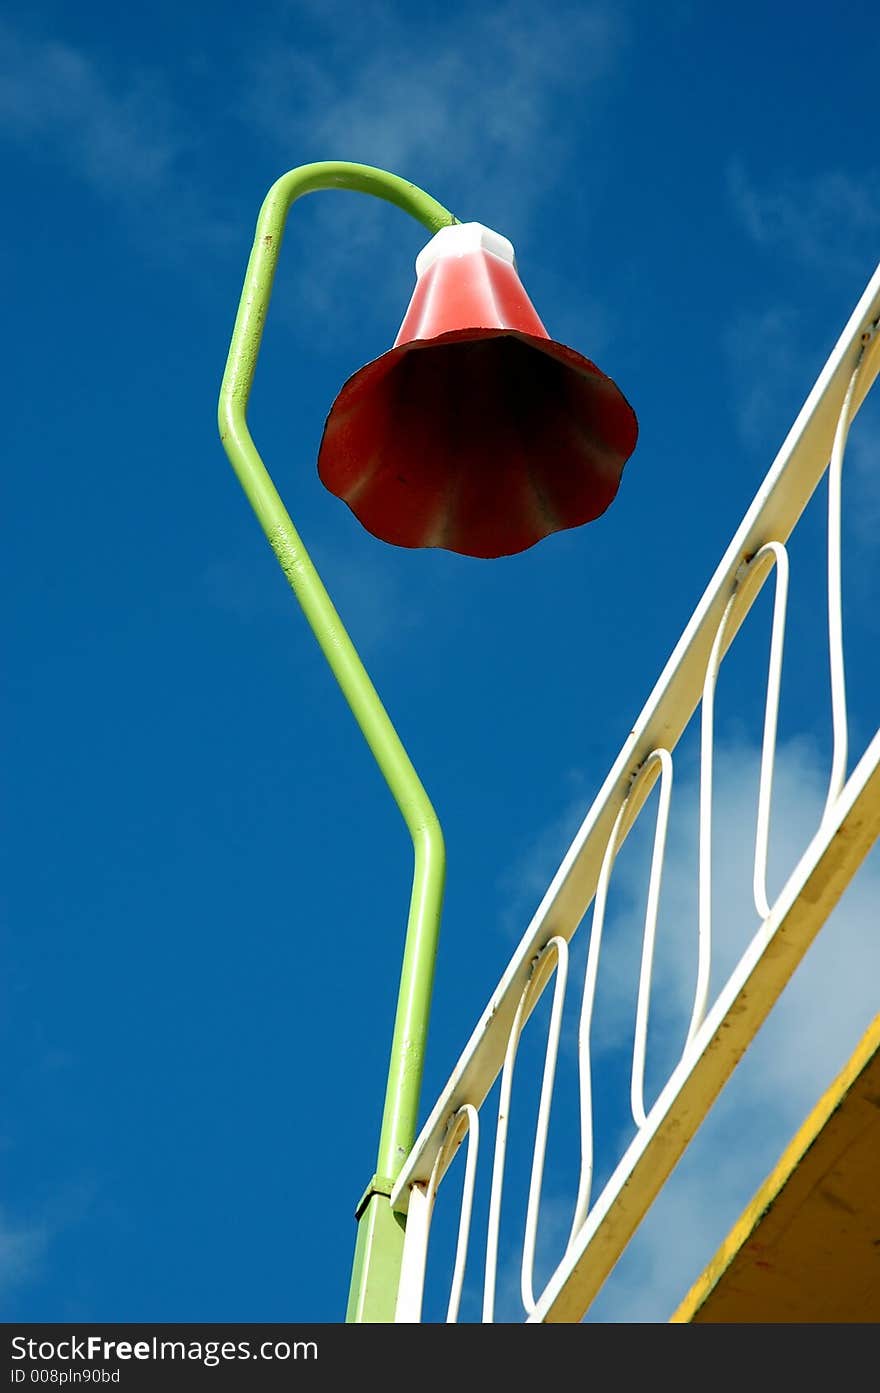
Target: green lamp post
(476,432)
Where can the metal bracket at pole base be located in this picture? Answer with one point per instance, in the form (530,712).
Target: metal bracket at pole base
(377,1259)
(379,1185)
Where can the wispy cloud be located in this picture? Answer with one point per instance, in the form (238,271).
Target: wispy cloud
(119,132)
(463,106)
(819,219)
(466,97)
(28,1239)
(363,587)
(809,1035)
(770,373)
(22,1248)
(829,221)
(116,137)
(522,885)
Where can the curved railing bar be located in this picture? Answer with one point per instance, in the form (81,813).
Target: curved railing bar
(771,715)
(640,1040)
(469,1116)
(839,723)
(533,984)
(542,1126)
(640,786)
(704,869)
(418,1230)
(744,581)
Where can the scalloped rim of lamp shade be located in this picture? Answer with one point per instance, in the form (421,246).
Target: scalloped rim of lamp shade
(411,485)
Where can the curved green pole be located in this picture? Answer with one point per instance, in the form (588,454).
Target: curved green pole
(377,1257)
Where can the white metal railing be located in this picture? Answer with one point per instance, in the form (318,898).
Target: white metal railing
(719,1032)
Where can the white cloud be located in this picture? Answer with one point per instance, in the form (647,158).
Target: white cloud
(462,97)
(461,106)
(118,131)
(115,137)
(817,219)
(770,371)
(808,1037)
(21,1250)
(523,884)
(806,1040)
(363,587)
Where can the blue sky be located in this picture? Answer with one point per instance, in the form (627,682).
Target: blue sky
(205,879)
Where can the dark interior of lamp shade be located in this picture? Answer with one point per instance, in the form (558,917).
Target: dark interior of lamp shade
(479,442)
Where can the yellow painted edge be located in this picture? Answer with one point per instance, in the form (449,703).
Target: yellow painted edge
(791,1157)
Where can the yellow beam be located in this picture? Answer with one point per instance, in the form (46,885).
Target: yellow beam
(807,1248)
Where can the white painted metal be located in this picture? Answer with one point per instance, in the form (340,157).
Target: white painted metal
(835,601)
(637,1088)
(539,975)
(813,889)
(560,948)
(411,1286)
(421,1208)
(748,578)
(472,1118)
(627,815)
(720,1032)
(771,717)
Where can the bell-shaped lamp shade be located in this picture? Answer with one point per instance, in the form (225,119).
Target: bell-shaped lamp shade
(475,432)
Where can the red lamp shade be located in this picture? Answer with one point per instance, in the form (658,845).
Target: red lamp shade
(475,432)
